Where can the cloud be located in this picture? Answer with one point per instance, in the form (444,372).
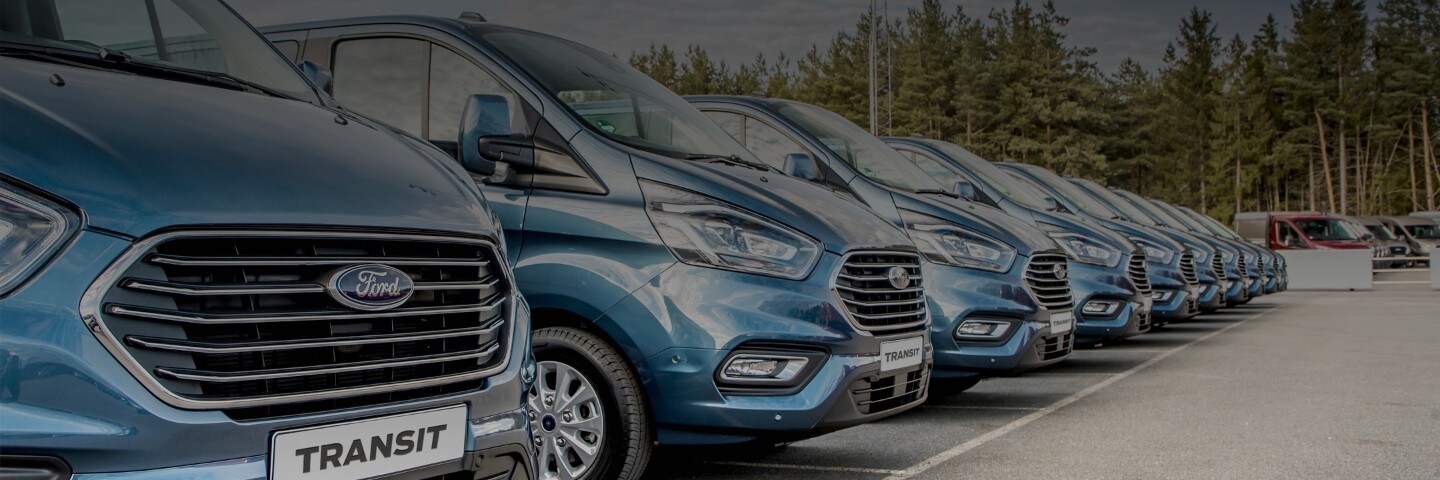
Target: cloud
(736,31)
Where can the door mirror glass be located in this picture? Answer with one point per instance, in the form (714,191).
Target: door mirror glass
(319,75)
(965,190)
(803,166)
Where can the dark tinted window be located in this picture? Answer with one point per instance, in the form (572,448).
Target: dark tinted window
(769,144)
(383,78)
(453,79)
(732,123)
(934,168)
(289,48)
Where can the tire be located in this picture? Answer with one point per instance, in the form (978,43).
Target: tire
(581,359)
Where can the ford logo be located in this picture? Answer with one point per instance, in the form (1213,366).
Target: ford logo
(370,287)
(899,277)
(1061,272)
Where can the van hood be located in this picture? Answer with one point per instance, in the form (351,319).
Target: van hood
(996,223)
(839,223)
(138,154)
(1089,228)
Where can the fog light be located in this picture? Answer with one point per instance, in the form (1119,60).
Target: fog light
(1162,296)
(1100,307)
(981,329)
(763,367)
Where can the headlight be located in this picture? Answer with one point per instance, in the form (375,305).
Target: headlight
(1201,258)
(708,232)
(1082,248)
(946,243)
(1154,252)
(31,230)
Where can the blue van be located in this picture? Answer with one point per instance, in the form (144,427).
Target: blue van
(1224,271)
(1250,259)
(1174,294)
(1115,301)
(999,289)
(208,270)
(684,293)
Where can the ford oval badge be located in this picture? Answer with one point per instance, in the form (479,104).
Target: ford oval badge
(370,287)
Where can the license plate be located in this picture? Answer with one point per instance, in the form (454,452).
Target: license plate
(897,354)
(369,448)
(1061,321)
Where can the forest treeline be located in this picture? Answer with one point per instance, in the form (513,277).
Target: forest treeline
(1338,113)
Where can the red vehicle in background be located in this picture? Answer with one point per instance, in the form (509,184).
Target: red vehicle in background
(1301,231)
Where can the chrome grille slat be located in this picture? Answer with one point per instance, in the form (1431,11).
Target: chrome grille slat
(155,343)
(186,261)
(1138,274)
(1217,265)
(1187,268)
(219,377)
(1049,290)
(240,321)
(871,302)
(177,316)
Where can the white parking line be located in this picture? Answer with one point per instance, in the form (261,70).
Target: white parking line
(960,449)
(810,468)
(978,407)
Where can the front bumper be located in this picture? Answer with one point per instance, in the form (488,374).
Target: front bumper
(959,294)
(1176,304)
(1212,296)
(1093,282)
(679,328)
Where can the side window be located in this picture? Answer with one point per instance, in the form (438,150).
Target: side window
(931,166)
(732,123)
(289,48)
(453,79)
(768,144)
(383,78)
(1286,234)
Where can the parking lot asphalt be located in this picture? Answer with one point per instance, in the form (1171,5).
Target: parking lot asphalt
(1295,385)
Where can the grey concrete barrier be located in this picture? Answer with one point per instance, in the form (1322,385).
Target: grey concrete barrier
(1329,269)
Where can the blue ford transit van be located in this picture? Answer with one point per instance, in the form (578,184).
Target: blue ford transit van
(1115,300)
(684,293)
(208,270)
(999,289)
(1222,270)
(1173,294)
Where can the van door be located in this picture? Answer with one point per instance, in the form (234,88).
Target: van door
(419,86)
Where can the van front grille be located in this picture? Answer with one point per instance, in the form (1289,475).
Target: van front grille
(245,322)
(887,393)
(1187,268)
(1136,269)
(1217,265)
(873,302)
(1048,278)
(1053,347)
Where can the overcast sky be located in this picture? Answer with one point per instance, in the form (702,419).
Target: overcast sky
(736,30)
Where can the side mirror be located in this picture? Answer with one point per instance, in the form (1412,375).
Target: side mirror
(1368,237)
(486,139)
(1053,205)
(804,167)
(319,75)
(965,190)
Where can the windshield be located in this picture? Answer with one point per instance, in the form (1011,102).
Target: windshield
(615,99)
(1161,218)
(187,35)
(1380,232)
(1219,229)
(1176,214)
(1325,229)
(862,151)
(1425,232)
(1117,204)
(1069,192)
(991,175)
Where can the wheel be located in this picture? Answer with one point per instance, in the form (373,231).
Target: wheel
(587,409)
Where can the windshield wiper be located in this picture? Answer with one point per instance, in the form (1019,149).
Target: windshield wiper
(936,191)
(730,159)
(118,60)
